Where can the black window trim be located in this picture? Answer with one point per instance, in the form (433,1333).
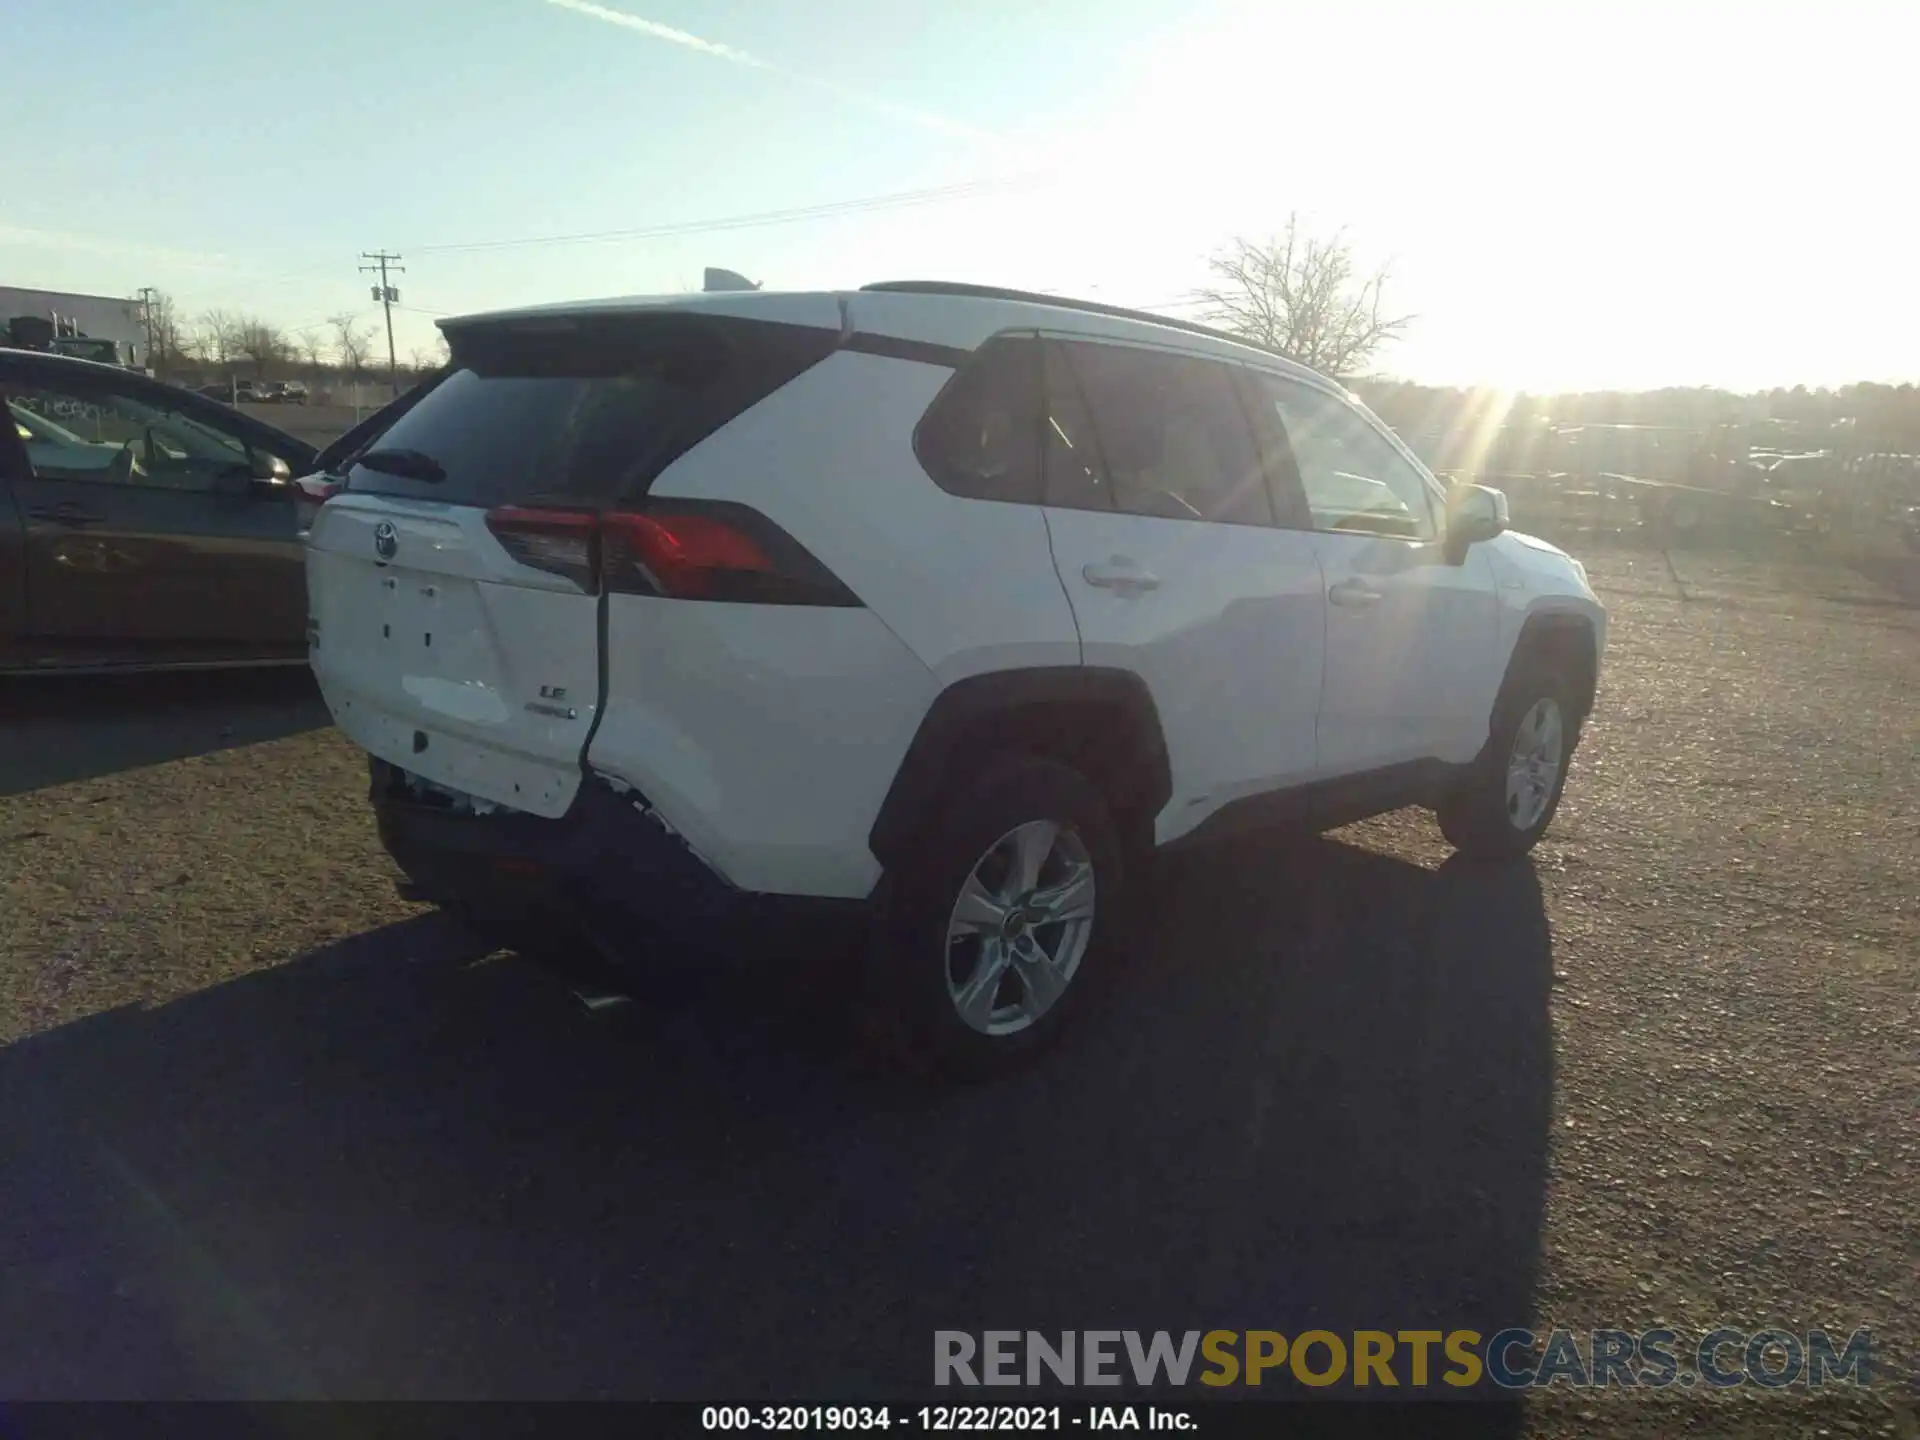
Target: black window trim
(1052,357)
(1287,502)
(1286,491)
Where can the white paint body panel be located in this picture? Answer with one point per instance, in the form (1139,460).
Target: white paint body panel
(968,585)
(1410,675)
(1229,642)
(499,633)
(766,735)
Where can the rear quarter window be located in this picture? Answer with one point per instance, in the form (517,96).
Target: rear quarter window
(980,438)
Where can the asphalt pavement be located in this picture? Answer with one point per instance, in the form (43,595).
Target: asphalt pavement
(1319,1097)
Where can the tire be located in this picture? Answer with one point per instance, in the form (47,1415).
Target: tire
(947,921)
(1483,817)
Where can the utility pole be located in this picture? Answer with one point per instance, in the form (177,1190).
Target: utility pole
(388,297)
(146,316)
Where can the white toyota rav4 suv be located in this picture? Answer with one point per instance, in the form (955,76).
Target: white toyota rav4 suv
(946,603)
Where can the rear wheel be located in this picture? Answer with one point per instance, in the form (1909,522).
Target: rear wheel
(1002,905)
(1504,803)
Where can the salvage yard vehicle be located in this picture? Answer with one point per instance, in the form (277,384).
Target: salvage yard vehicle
(141,525)
(943,604)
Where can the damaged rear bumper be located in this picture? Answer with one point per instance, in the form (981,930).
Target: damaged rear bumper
(609,865)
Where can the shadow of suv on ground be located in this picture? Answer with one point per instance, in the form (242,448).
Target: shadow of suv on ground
(1317,1096)
(61,729)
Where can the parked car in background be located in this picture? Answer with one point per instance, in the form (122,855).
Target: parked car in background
(293,392)
(142,525)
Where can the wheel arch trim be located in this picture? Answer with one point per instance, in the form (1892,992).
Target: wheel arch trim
(992,704)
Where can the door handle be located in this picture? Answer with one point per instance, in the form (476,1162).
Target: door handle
(1354,594)
(1122,575)
(66,513)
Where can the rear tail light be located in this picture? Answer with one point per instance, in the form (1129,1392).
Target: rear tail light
(561,542)
(674,549)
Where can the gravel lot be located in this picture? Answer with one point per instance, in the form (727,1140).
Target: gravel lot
(267,1130)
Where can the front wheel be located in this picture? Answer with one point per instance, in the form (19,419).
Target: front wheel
(1005,901)
(1504,803)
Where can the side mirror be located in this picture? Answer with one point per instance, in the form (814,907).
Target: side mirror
(1474,513)
(271,476)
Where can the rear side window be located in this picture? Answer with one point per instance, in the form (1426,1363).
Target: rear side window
(1076,474)
(580,411)
(1175,441)
(981,436)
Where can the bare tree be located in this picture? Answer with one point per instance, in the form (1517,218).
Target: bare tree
(312,345)
(170,341)
(421,360)
(217,336)
(351,342)
(1302,295)
(265,345)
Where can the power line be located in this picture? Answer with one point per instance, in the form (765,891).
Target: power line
(388,296)
(903,199)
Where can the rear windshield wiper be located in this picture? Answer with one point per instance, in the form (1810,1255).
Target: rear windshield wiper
(412,464)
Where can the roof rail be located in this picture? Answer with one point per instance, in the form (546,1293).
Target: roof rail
(1034,297)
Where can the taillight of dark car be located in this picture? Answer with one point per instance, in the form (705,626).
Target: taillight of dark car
(310,492)
(674,549)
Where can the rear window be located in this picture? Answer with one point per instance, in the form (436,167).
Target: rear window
(583,411)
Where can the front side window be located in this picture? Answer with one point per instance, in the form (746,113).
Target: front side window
(1356,482)
(103,438)
(1171,434)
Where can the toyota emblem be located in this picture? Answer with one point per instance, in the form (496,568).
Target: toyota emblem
(386,540)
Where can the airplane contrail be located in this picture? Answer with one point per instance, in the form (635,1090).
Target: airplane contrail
(906,114)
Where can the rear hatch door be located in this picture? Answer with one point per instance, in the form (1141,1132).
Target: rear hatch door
(454,615)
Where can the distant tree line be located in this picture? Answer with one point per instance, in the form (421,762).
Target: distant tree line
(1870,416)
(223,344)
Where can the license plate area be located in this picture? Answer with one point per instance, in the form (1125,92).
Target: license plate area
(414,621)
(429,627)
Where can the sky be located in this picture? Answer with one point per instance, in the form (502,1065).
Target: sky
(1567,195)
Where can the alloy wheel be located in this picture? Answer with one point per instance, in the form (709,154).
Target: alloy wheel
(1533,769)
(1020,927)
